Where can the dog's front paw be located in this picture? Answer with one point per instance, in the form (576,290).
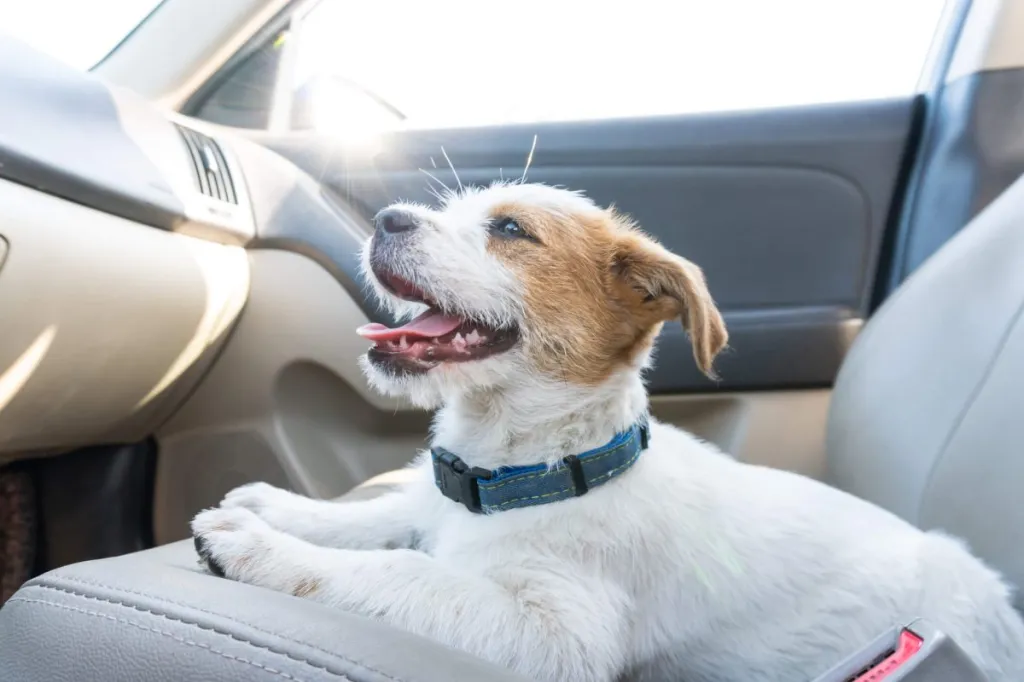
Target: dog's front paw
(257,497)
(230,541)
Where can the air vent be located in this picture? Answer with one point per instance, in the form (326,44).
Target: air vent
(209,168)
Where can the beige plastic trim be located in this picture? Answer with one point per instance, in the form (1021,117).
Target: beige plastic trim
(779,429)
(183,44)
(107,324)
(285,401)
(992,39)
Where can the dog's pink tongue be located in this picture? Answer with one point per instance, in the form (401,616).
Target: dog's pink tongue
(429,325)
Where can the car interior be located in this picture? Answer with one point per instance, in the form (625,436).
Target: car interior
(179,290)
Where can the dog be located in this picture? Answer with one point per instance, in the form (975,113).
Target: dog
(554,527)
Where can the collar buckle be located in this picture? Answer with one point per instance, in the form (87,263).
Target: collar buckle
(458,481)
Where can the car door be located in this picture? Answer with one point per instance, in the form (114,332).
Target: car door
(770,143)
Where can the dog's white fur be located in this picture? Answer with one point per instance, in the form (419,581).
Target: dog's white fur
(690,566)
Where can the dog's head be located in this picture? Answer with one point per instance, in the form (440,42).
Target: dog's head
(520,282)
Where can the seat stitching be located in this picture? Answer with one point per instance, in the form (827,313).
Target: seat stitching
(222,632)
(975,393)
(212,613)
(208,612)
(181,640)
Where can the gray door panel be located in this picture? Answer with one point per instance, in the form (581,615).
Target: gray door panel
(784,209)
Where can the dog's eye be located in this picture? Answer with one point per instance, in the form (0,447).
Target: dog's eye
(507,227)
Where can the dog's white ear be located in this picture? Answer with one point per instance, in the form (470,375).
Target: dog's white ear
(671,287)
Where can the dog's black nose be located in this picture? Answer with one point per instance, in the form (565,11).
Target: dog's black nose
(395,220)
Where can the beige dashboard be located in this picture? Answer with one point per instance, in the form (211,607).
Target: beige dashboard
(106,324)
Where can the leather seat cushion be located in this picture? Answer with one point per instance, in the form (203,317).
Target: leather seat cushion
(156,616)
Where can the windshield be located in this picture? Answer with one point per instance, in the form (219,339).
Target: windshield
(79,32)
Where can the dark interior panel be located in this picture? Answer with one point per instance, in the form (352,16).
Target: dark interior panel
(972,151)
(784,209)
(797,347)
(95,503)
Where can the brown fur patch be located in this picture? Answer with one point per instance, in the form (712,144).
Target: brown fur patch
(597,291)
(306,587)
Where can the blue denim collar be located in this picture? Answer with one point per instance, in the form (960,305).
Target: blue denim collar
(485,491)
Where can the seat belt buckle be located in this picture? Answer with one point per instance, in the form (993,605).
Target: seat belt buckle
(915,653)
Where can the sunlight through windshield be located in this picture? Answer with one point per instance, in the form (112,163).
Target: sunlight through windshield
(78,32)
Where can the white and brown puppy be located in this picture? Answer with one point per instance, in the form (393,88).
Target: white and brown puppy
(533,314)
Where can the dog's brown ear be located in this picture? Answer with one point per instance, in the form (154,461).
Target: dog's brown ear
(671,287)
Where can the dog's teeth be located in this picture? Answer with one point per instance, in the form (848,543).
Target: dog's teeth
(473,337)
(403,343)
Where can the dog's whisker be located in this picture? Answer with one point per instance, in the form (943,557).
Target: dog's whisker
(434,192)
(452,166)
(529,160)
(434,178)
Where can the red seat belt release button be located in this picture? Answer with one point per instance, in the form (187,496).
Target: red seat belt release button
(907,645)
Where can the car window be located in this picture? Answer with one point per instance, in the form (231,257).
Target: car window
(454,63)
(462,62)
